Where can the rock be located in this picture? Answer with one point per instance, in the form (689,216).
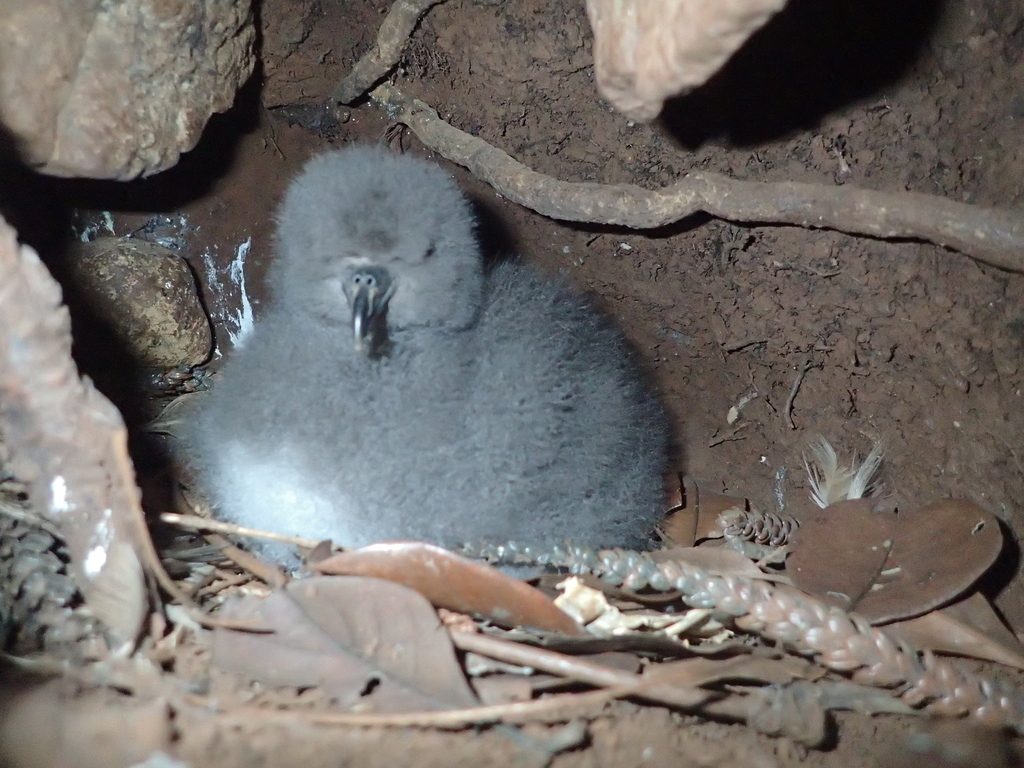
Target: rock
(148,296)
(648,50)
(118,90)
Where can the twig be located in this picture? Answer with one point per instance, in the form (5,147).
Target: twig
(267,573)
(736,346)
(197,523)
(28,517)
(684,697)
(991,235)
(732,436)
(391,39)
(787,409)
(151,558)
(551,709)
(213,586)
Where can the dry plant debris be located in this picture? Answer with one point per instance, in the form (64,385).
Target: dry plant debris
(840,552)
(696,515)
(363,641)
(969,627)
(840,641)
(882,563)
(379,648)
(454,582)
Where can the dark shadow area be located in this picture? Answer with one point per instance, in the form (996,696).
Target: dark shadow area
(193,177)
(28,203)
(43,210)
(497,241)
(810,59)
(1005,568)
(665,232)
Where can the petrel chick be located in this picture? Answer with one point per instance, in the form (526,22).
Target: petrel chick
(396,390)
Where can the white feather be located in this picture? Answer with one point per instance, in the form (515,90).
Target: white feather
(863,483)
(831,482)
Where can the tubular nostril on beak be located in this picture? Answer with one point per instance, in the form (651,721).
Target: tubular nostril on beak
(368,290)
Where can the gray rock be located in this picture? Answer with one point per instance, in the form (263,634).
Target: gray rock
(397,391)
(147,294)
(118,90)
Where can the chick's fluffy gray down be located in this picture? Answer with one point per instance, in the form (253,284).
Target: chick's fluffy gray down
(503,408)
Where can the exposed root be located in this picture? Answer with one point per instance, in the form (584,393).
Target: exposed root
(992,235)
(387,49)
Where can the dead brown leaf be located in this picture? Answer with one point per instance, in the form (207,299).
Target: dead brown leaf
(454,582)
(840,551)
(693,513)
(362,640)
(887,566)
(940,551)
(696,672)
(969,627)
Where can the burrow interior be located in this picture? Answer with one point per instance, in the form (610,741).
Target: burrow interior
(917,346)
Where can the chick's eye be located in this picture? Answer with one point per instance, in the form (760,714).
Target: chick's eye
(429,252)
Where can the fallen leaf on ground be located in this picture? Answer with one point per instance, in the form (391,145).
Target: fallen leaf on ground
(840,551)
(454,582)
(693,513)
(887,566)
(362,640)
(699,671)
(940,550)
(967,628)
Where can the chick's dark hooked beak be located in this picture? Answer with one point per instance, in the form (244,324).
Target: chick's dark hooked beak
(368,290)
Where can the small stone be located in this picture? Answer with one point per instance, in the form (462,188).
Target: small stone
(148,296)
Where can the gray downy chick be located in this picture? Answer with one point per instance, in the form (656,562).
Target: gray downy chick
(396,391)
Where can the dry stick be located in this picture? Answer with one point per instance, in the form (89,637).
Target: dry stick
(787,409)
(686,697)
(689,698)
(151,558)
(991,235)
(387,49)
(556,708)
(267,573)
(197,523)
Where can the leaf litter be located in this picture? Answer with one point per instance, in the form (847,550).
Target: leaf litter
(858,550)
(363,642)
(350,636)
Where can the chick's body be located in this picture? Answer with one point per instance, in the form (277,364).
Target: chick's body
(492,408)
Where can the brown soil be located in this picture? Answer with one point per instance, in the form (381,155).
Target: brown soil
(914,345)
